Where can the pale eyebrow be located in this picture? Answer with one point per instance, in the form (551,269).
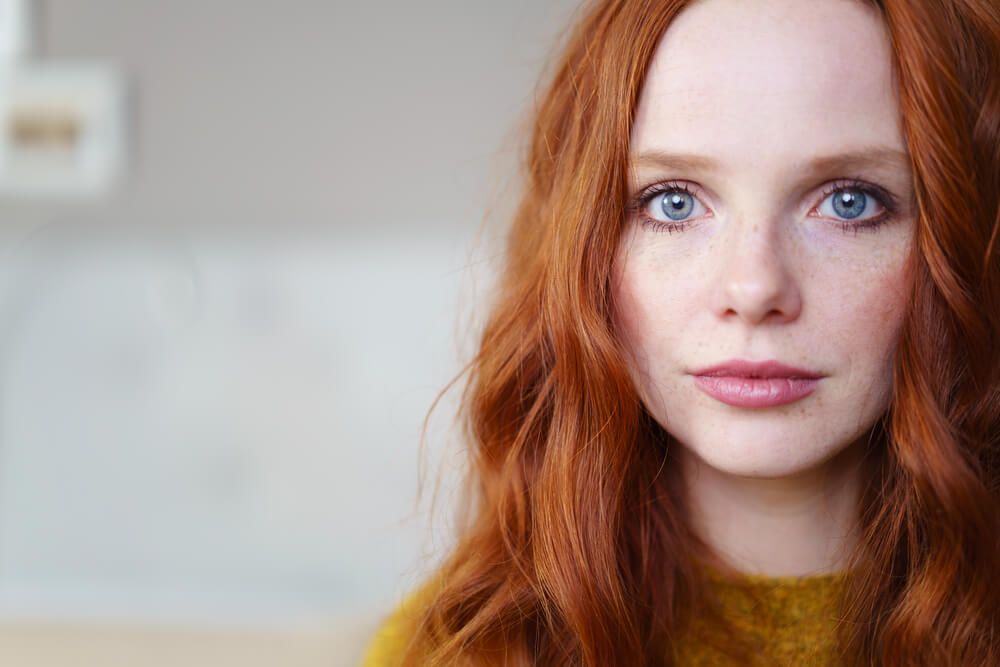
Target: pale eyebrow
(876,157)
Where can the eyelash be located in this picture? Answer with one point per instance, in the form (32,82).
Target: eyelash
(881,195)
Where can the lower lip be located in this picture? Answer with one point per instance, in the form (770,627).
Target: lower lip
(756,392)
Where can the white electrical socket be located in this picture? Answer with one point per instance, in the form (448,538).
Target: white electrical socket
(61,129)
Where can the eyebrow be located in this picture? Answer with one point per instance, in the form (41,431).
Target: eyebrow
(864,158)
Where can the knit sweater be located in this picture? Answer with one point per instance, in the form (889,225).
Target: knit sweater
(796,625)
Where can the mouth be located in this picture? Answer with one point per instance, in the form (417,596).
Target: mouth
(751,384)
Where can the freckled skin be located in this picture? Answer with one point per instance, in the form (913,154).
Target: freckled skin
(761,87)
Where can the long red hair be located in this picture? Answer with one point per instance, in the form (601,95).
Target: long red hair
(577,551)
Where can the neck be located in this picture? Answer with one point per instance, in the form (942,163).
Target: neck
(793,525)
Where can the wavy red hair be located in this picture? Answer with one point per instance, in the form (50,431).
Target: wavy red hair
(577,551)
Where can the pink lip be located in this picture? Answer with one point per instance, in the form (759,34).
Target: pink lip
(748,384)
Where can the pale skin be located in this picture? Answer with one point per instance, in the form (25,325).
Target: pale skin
(763,268)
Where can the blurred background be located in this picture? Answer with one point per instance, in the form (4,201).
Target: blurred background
(243,248)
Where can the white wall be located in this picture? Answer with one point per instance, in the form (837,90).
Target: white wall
(212,383)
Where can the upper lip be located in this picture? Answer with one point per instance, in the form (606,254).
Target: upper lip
(760,369)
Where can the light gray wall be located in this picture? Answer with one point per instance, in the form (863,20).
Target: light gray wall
(212,382)
(338,115)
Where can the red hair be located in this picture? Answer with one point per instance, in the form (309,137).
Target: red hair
(578,551)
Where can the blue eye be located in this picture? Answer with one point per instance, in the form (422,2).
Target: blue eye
(850,199)
(674,204)
(848,203)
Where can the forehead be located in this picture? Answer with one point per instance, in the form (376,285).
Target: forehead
(765,83)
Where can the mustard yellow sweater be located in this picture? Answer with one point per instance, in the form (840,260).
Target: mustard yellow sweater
(796,625)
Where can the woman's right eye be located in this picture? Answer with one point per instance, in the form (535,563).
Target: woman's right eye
(671,205)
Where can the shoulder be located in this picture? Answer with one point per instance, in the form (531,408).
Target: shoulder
(397,630)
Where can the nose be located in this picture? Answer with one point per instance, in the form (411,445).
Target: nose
(755,282)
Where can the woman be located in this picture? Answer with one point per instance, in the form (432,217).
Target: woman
(738,400)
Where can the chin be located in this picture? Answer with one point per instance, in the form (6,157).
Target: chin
(762,467)
(756,457)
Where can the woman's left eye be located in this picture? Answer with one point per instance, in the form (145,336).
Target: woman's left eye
(849,200)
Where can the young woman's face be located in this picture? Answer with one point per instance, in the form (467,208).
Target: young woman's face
(773,222)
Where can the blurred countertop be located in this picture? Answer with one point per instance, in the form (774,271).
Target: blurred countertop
(333,642)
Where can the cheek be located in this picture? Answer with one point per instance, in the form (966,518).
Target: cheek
(628,310)
(868,312)
(648,308)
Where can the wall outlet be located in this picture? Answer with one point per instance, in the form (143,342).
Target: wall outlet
(61,129)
